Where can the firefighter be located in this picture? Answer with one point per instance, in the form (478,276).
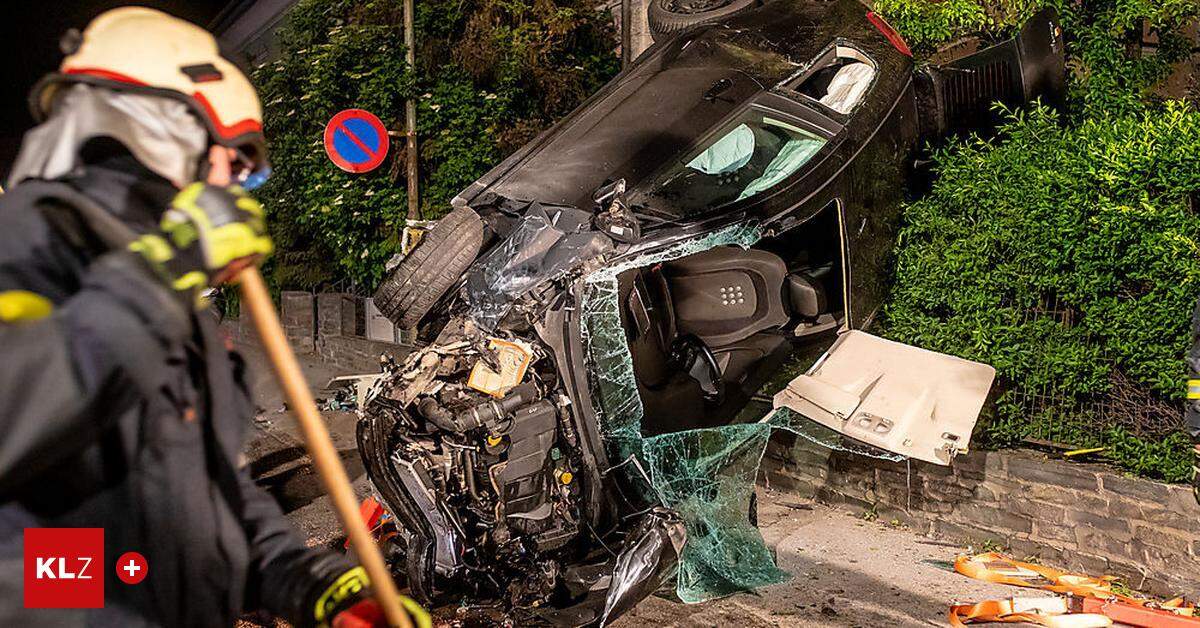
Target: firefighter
(122,408)
(1192,410)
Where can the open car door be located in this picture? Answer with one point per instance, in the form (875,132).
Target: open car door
(910,401)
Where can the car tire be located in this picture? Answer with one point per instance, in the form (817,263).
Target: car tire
(669,17)
(437,262)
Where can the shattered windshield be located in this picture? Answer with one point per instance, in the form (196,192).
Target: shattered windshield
(751,155)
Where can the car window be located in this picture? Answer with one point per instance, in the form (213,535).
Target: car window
(839,79)
(748,157)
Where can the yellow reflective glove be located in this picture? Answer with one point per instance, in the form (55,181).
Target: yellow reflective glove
(207,235)
(346,603)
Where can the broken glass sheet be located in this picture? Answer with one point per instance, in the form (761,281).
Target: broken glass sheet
(546,244)
(620,411)
(707,476)
(743,234)
(619,408)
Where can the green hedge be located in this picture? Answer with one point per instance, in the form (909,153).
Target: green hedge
(1064,251)
(490,75)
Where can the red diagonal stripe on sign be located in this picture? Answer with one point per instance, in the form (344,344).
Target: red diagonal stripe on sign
(354,138)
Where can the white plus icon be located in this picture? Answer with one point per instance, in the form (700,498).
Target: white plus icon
(131,567)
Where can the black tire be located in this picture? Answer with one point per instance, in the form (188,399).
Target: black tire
(438,261)
(669,17)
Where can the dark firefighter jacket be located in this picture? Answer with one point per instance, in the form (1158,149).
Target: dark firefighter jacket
(120,412)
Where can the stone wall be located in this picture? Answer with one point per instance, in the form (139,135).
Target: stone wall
(1082,517)
(330,325)
(298,313)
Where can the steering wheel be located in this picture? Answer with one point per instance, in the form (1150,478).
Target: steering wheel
(693,357)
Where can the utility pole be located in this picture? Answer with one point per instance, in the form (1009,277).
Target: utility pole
(626,32)
(410,116)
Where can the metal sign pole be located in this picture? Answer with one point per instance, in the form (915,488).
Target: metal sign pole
(410,116)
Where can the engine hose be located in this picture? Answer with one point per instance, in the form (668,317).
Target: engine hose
(437,414)
(486,414)
(468,458)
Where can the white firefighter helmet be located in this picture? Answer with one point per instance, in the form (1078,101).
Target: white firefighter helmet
(142,50)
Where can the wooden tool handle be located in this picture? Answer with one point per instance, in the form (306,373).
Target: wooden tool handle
(316,438)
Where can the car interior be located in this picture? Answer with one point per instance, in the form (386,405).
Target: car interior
(748,157)
(838,79)
(706,330)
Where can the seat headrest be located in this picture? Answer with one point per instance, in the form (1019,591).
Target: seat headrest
(805,295)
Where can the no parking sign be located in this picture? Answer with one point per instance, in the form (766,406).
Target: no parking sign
(356,140)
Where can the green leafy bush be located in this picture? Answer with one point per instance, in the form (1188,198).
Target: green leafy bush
(926,24)
(490,75)
(1064,251)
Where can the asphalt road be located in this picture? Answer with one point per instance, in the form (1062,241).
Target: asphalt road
(845,572)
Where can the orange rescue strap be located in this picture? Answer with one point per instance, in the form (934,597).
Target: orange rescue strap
(993,567)
(1043,611)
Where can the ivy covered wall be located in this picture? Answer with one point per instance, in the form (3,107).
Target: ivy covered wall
(490,75)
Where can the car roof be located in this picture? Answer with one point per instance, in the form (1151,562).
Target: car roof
(657,108)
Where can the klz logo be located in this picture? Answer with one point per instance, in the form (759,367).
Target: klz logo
(64,567)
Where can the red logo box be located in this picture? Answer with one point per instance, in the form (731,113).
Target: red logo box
(64,567)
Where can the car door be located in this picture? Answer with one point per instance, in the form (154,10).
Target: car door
(910,401)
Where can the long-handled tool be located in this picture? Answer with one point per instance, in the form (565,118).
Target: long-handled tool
(316,438)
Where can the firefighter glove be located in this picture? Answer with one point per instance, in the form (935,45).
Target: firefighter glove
(207,233)
(347,603)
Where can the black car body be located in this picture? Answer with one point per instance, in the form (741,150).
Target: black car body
(634,275)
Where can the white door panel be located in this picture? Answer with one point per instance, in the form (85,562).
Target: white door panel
(897,397)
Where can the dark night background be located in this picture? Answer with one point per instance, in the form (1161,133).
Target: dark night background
(29,33)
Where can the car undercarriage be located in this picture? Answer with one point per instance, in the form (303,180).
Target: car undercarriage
(584,422)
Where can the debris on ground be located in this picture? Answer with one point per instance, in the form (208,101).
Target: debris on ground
(1082,601)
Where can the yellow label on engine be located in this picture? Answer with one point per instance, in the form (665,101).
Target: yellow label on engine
(513,358)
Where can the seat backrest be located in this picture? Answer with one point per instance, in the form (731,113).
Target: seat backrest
(805,295)
(650,326)
(727,294)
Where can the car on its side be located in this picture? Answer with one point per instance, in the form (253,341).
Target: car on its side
(603,306)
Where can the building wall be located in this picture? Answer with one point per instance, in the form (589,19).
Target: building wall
(640,34)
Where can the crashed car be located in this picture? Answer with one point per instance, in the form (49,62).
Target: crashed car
(602,308)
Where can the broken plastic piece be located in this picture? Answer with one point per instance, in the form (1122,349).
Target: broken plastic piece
(649,558)
(547,243)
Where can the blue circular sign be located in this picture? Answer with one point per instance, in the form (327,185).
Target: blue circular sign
(356,140)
